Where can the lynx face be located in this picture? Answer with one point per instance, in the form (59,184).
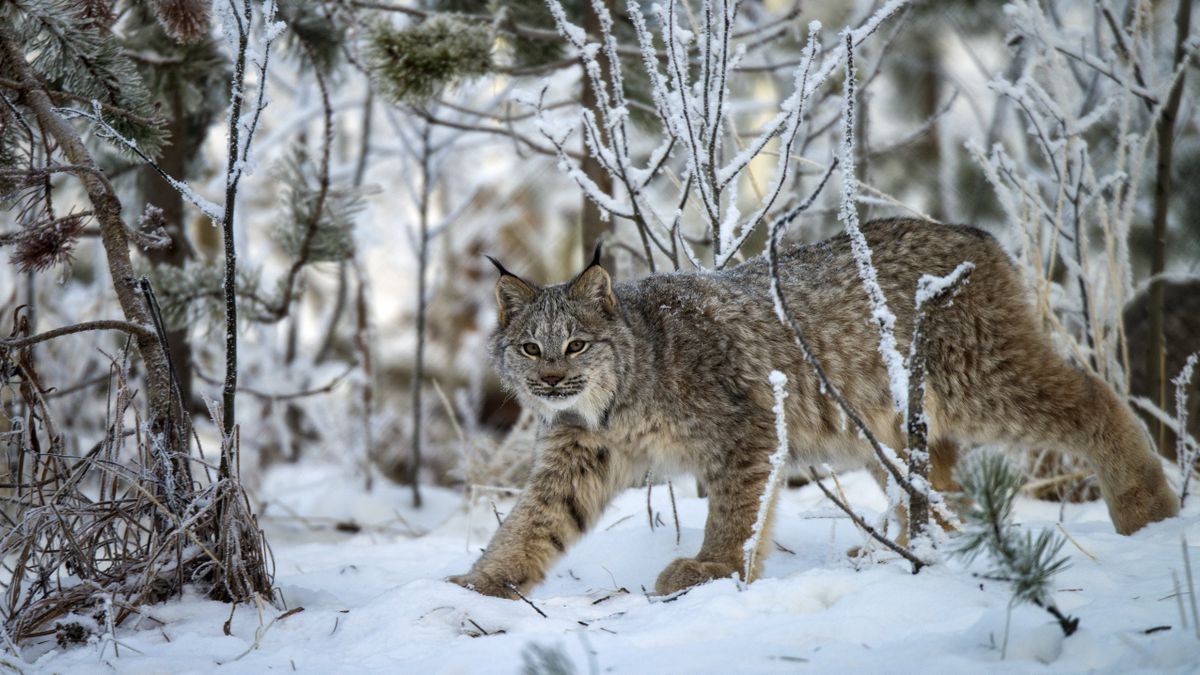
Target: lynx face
(559,348)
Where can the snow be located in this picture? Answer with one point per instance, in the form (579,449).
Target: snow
(375,601)
(930,285)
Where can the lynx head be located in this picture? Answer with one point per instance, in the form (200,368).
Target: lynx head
(560,348)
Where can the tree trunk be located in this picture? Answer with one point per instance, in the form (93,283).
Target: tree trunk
(414,472)
(158,192)
(929,94)
(1156,350)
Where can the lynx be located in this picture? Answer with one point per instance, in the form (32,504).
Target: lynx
(670,372)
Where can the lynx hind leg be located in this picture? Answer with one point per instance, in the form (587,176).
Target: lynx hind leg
(1021,392)
(943,457)
(1099,427)
(734,495)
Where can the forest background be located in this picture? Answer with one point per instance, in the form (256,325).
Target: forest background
(244,243)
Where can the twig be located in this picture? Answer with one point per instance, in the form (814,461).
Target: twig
(261,632)
(917,563)
(287,396)
(649,507)
(674,510)
(236,161)
(512,587)
(669,597)
(1187,451)
(1183,619)
(1075,543)
(618,522)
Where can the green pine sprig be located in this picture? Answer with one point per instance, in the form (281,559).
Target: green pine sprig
(1026,561)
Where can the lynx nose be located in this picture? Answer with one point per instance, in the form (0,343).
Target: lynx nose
(552,379)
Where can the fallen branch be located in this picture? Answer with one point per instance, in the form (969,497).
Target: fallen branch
(917,563)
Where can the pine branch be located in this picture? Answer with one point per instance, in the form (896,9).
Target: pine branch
(1027,563)
(58,96)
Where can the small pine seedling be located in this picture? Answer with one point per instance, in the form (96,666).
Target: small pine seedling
(1028,562)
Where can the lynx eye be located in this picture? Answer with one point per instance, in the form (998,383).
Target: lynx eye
(576,346)
(531,349)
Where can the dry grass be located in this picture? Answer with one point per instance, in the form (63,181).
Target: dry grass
(100,534)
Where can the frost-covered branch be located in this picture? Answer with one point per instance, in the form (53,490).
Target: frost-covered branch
(932,292)
(107,132)
(778,460)
(883,317)
(886,456)
(237,26)
(690,81)
(1187,450)
(1072,203)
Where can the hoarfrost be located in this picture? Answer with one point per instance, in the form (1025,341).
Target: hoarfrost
(778,459)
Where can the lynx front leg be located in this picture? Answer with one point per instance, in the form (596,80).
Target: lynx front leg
(572,483)
(734,494)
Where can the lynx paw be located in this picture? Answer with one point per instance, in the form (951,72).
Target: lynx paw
(1147,503)
(484,584)
(688,572)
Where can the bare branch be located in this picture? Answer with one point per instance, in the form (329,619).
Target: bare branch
(103,324)
(917,563)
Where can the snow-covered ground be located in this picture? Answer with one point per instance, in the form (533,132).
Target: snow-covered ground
(374,601)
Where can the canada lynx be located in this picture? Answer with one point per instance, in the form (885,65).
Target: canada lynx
(670,372)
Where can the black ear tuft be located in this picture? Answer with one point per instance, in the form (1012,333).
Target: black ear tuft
(499,267)
(512,293)
(596,254)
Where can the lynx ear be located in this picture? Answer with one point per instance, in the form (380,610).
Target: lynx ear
(593,284)
(512,294)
